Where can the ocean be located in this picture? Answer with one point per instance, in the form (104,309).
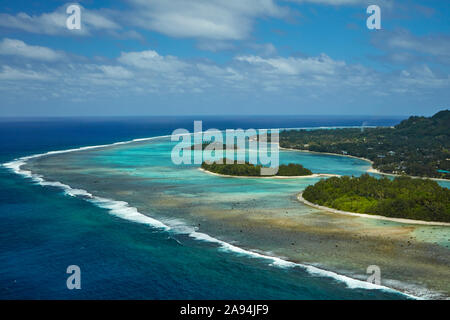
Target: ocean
(43,230)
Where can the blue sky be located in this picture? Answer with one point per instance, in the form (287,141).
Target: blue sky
(184,57)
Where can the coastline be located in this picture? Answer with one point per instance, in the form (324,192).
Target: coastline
(125,211)
(364,215)
(332,210)
(116,208)
(315,175)
(371,169)
(282,262)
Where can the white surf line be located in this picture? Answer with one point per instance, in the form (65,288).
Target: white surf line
(314,175)
(123,210)
(370,216)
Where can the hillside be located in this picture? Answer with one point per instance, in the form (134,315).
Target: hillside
(418,146)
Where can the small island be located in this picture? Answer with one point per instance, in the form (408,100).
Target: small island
(250,170)
(402,197)
(212,146)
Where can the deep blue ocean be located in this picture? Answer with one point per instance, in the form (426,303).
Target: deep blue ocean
(43,231)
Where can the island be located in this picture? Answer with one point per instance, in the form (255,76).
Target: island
(418,146)
(401,197)
(233,168)
(212,146)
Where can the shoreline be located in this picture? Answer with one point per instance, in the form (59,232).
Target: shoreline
(314,175)
(117,208)
(371,169)
(16,164)
(370,216)
(336,211)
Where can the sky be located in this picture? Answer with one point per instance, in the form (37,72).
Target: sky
(224,57)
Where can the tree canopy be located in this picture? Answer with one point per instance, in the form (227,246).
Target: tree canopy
(402,197)
(418,146)
(233,168)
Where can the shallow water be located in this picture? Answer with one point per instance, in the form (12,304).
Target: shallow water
(43,230)
(253,213)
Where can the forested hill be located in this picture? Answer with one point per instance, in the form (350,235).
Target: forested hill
(437,126)
(418,146)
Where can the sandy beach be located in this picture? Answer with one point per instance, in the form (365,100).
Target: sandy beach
(369,216)
(316,175)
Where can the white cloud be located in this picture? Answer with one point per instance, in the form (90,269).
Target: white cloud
(295,66)
(434,45)
(9,73)
(403,47)
(213,19)
(47,23)
(151,60)
(96,20)
(422,76)
(117,72)
(19,48)
(227,74)
(148,75)
(54,23)
(208,20)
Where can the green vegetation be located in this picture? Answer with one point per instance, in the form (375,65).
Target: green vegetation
(218,146)
(293,169)
(402,197)
(250,170)
(417,146)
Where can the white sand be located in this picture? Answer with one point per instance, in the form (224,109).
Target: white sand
(315,175)
(370,216)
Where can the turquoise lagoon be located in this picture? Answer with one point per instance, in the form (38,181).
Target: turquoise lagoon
(254,220)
